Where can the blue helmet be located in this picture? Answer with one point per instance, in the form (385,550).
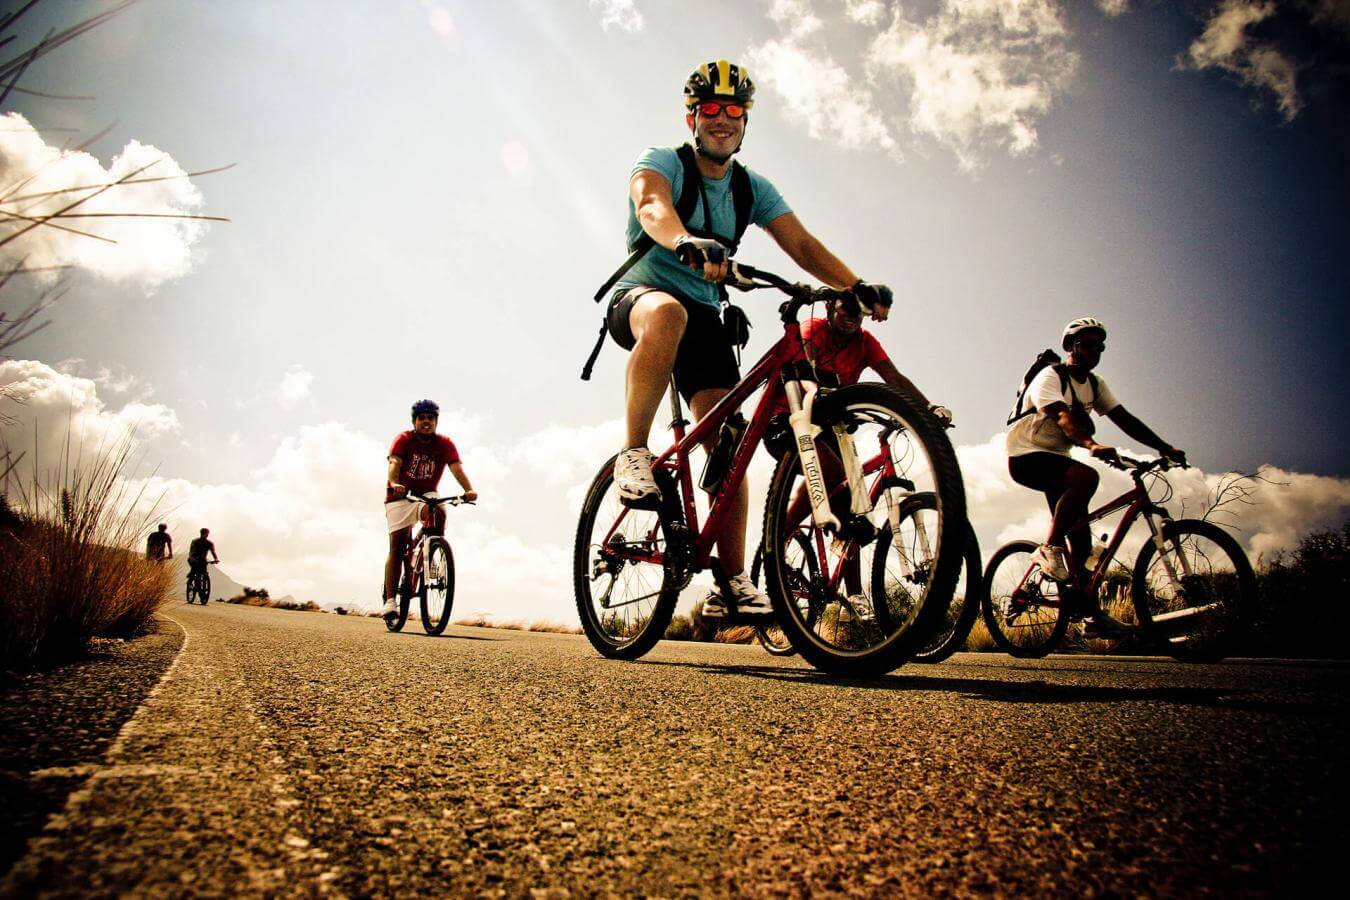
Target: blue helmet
(425,406)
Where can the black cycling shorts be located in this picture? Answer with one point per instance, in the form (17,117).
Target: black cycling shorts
(1045,472)
(705,358)
(197,565)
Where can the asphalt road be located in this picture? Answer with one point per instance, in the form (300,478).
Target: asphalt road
(299,753)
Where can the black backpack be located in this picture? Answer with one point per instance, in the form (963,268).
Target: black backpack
(1044,359)
(742,198)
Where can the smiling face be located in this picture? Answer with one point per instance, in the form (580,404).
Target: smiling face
(425,423)
(719,135)
(845,322)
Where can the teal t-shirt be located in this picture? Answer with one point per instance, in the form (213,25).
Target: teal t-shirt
(660,268)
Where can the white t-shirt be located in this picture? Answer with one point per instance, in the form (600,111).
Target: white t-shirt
(1039,433)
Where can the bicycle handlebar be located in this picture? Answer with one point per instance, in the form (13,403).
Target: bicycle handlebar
(457,500)
(1140,466)
(747,278)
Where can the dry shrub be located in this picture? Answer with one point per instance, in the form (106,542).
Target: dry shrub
(979,640)
(261,599)
(70,566)
(484,620)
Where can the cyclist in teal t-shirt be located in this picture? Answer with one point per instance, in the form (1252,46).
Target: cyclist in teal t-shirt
(666,310)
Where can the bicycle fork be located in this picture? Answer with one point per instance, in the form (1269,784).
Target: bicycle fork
(801,397)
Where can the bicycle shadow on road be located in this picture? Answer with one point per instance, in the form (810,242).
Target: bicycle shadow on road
(1036,692)
(452,637)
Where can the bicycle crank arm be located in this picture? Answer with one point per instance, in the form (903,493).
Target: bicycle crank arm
(804,432)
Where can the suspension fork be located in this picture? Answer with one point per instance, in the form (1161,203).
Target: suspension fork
(1160,544)
(801,397)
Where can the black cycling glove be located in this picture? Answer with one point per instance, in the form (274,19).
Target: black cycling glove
(695,251)
(870,295)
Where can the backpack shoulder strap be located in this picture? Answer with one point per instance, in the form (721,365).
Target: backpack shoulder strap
(693,184)
(743,197)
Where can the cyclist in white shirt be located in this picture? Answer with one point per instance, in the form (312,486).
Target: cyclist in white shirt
(1062,396)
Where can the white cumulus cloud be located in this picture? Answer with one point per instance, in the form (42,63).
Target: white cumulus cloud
(45,410)
(621,14)
(144,251)
(294,387)
(977,73)
(1227,45)
(815,89)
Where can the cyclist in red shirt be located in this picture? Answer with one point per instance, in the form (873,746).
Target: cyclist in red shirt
(841,346)
(417,460)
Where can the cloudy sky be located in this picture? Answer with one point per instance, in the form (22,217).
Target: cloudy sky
(426,194)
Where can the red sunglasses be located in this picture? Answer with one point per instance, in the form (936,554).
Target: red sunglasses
(711,108)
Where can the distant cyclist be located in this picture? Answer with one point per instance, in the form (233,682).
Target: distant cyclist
(159,545)
(666,308)
(417,460)
(1059,398)
(198,550)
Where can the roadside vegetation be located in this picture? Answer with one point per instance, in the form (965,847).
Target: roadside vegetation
(70,564)
(260,597)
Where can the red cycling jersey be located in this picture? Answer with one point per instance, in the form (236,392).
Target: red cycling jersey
(848,362)
(424,460)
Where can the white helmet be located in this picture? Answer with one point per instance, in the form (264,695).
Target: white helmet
(1077,326)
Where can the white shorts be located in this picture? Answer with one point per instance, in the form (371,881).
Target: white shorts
(402,513)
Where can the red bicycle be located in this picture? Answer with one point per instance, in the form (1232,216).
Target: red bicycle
(1192,589)
(827,572)
(428,568)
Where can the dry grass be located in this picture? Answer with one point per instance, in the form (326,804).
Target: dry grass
(485,620)
(266,602)
(70,566)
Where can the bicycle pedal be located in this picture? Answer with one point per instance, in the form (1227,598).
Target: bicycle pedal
(651,503)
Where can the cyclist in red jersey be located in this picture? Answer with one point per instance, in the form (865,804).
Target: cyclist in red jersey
(417,460)
(841,346)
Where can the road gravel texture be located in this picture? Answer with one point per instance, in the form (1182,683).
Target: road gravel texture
(290,753)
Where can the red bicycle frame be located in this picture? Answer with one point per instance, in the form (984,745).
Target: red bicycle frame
(1135,502)
(766,372)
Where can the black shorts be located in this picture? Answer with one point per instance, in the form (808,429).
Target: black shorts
(1045,472)
(705,358)
(196,565)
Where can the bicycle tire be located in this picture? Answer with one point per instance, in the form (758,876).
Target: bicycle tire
(892,635)
(614,635)
(1044,625)
(1224,599)
(954,627)
(771,637)
(396,622)
(439,578)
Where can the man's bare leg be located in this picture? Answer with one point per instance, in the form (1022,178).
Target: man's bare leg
(657,321)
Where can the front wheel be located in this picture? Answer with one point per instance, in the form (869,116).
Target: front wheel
(1196,597)
(839,621)
(1023,608)
(624,572)
(438,586)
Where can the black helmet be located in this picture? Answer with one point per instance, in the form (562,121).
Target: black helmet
(720,80)
(425,406)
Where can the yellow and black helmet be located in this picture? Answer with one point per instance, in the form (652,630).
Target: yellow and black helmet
(719,80)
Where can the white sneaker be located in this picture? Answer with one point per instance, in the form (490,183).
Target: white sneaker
(859,605)
(750,600)
(390,609)
(633,477)
(1050,559)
